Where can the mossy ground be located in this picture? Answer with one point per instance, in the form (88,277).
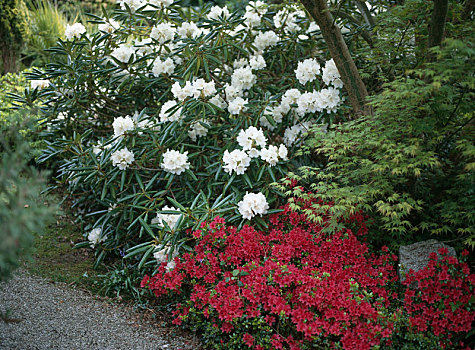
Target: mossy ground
(54,256)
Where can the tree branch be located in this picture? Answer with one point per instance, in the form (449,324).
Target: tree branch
(437,22)
(365,13)
(331,33)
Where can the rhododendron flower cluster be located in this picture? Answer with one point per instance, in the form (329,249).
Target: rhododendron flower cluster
(312,284)
(169,219)
(122,158)
(175,162)
(95,237)
(253,204)
(440,298)
(74,31)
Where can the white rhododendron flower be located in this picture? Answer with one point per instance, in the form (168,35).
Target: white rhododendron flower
(197,130)
(189,30)
(243,78)
(232,92)
(218,101)
(330,74)
(307,71)
(40,84)
(123,53)
(313,27)
(175,162)
(163,67)
(203,88)
(94,237)
(251,137)
(169,114)
(169,219)
(294,133)
(122,158)
(237,105)
(237,161)
(257,62)
(121,125)
(142,47)
(253,204)
(330,99)
(283,152)
(272,154)
(161,3)
(132,4)
(74,31)
(258,7)
(217,12)
(162,256)
(163,32)
(110,26)
(265,40)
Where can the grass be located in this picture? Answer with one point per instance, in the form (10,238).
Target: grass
(55,259)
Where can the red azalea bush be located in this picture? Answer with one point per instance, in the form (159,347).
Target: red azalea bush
(293,286)
(443,302)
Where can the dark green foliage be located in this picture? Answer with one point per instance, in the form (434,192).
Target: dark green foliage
(21,211)
(12,32)
(410,166)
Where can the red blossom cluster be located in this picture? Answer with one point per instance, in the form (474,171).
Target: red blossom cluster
(442,303)
(306,284)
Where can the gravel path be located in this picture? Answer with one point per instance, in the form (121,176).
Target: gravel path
(51,316)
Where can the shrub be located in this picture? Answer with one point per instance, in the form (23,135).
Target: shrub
(167,116)
(21,210)
(291,285)
(442,304)
(410,166)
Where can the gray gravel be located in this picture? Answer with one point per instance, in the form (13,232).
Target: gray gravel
(46,315)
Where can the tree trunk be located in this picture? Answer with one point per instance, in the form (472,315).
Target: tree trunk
(352,81)
(437,23)
(9,60)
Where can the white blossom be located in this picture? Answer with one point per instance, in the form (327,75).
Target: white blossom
(189,30)
(122,125)
(74,31)
(163,32)
(243,78)
(307,71)
(161,3)
(232,92)
(218,101)
(251,137)
(122,53)
(122,158)
(169,112)
(293,134)
(175,162)
(132,4)
(170,219)
(283,152)
(330,74)
(94,237)
(237,161)
(163,67)
(272,154)
(197,130)
(237,105)
(257,62)
(109,26)
(253,204)
(216,12)
(40,84)
(143,46)
(265,40)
